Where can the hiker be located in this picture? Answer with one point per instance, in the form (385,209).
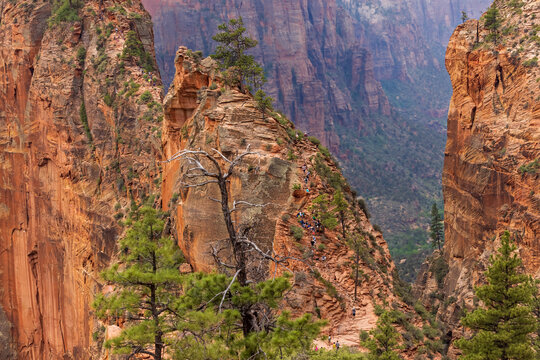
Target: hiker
(313,241)
(337,345)
(323,258)
(353,312)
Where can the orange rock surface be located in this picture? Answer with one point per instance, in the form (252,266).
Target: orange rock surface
(60,188)
(491,169)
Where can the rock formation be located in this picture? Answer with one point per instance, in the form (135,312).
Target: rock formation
(338,69)
(491,168)
(76,144)
(201,114)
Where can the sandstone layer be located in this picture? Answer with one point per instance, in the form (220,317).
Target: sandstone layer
(201,114)
(491,168)
(74,149)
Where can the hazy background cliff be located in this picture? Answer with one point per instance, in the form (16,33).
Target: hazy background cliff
(367,78)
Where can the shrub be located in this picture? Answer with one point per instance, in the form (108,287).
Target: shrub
(174,197)
(314,140)
(531,62)
(439,268)
(291,156)
(363,206)
(134,50)
(146,97)
(65,11)
(321,247)
(81,55)
(84,120)
(324,150)
(297,232)
(296,187)
(108,99)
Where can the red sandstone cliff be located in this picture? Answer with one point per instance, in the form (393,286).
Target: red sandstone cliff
(491,169)
(200,114)
(60,184)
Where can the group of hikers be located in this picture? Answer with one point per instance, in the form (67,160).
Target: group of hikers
(313,225)
(307,173)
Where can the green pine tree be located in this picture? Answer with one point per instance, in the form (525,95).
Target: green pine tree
(146,281)
(492,22)
(436,228)
(383,341)
(239,68)
(503,327)
(322,213)
(340,209)
(210,313)
(263,102)
(464,16)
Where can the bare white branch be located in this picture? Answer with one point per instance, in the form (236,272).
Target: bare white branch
(228,288)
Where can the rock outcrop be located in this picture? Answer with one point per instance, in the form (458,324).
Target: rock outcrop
(338,69)
(76,146)
(491,168)
(201,114)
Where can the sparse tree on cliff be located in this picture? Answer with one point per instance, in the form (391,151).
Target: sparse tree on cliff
(492,22)
(355,242)
(146,281)
(383,341)
(503,327)
(464,16)
(263,102)
(436,228)
(245,306)
(239,68)
(340,209)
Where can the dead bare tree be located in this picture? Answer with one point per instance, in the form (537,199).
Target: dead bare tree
(206,168)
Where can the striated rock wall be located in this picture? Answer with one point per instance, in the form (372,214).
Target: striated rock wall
(200,114)
(311,50)
(61,185)
(491,170)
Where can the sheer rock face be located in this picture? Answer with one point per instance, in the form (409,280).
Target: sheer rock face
(312,51)
(490,182)
(59,187)
(199,115)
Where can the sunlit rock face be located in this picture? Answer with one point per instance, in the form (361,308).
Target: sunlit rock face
(61,187)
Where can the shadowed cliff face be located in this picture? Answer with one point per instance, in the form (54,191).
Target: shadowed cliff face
(201,114)
(490,180)
(61,184)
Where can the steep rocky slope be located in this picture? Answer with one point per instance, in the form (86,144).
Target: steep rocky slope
(200,115)
(76,145)
(491,168)
(338,69)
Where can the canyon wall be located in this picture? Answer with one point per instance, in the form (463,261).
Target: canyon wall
(74,150)
(491,167)
(340,71)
